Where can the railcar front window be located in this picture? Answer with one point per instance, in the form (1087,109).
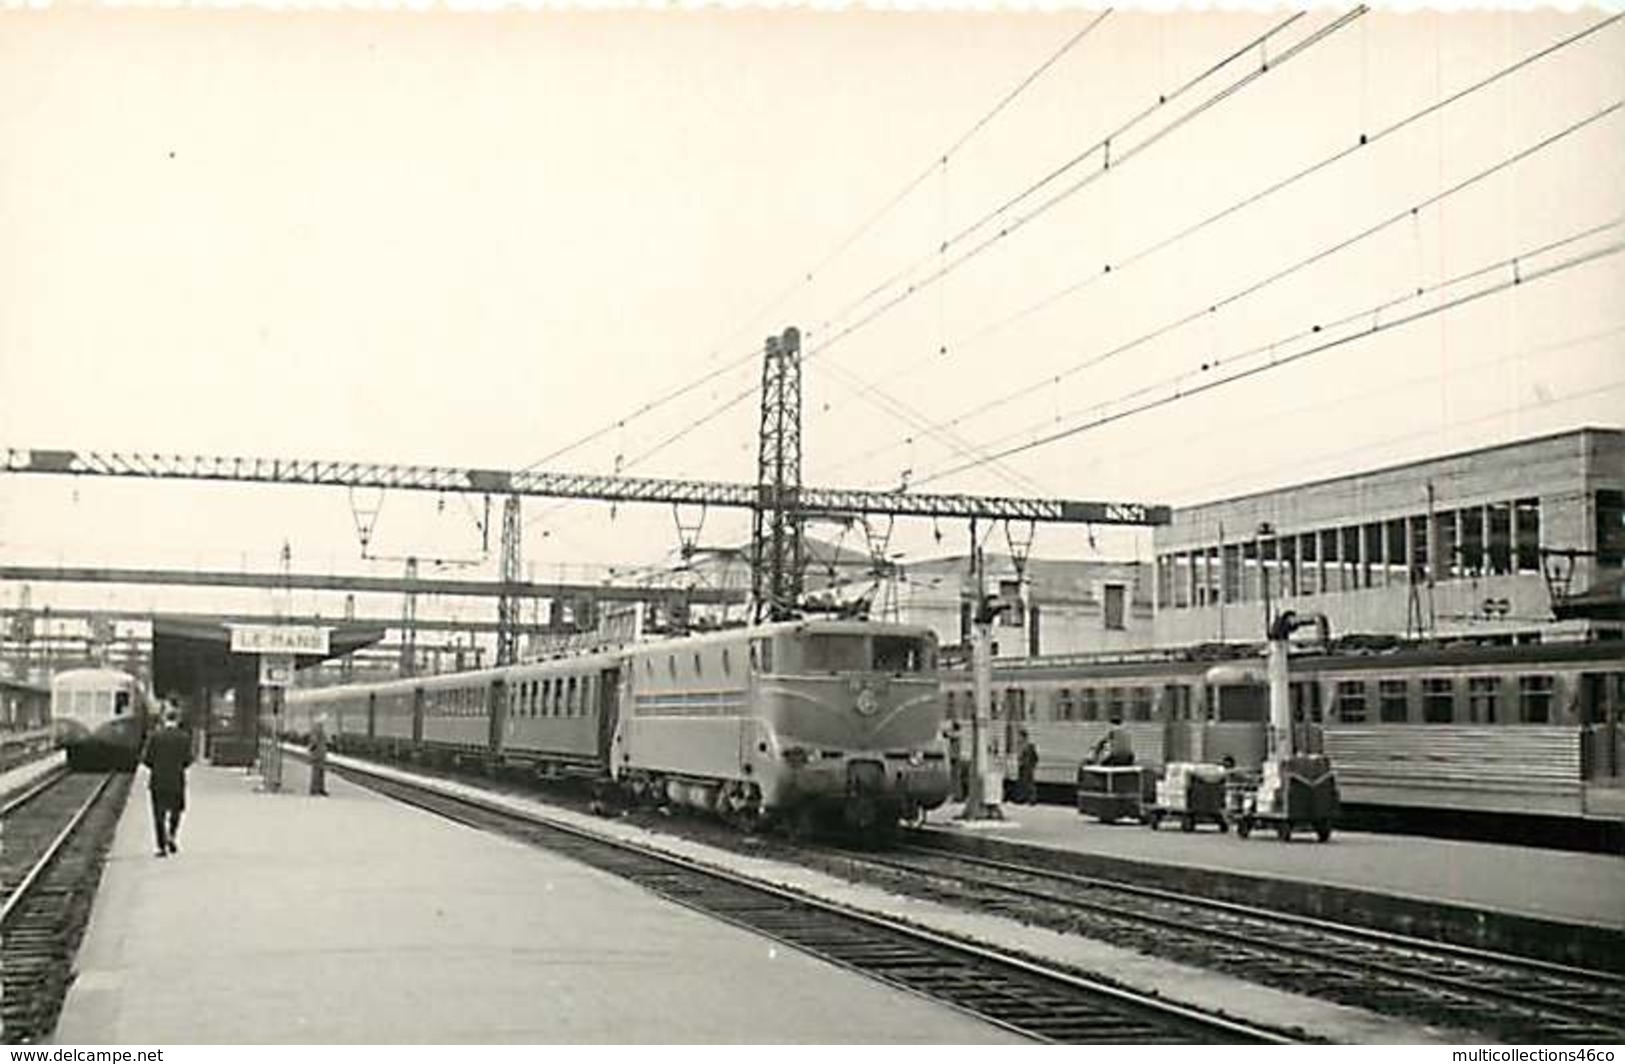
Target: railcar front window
(900,654)
(121,703)
(834,653)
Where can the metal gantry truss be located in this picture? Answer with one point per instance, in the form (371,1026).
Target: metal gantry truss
(588,486)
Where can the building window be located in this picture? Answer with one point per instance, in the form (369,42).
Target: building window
(1308,564)
(1394,701)
(1115,607)
(1446,559)
(1398,552)
(1064,708)
(1526,515)
(1438,701)
(1611,528)
(1483,695)
(1089,703)
(1371,571)
(1419,550)
(1351,701)
(1472,541)
(1500,542)
(1230,564)
(1535,699)
(1139,703)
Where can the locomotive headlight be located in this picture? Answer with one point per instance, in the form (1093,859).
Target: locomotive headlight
(916,758)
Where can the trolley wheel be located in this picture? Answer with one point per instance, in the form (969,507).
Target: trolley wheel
(1283,831)
(1244,827)
(1323,830)
(1224,825)
(1153,821)
(1187,823)
(1108,820)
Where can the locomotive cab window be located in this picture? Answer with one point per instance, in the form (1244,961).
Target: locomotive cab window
(896,654)
(834,653)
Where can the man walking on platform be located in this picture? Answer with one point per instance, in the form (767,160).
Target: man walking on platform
(318,755)
(169,751)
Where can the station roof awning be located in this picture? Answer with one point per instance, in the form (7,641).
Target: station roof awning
(188,654)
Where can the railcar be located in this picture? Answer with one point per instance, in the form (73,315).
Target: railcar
(99,717)
(797,721)
(1530,729)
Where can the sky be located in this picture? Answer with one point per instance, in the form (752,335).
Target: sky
(479,239)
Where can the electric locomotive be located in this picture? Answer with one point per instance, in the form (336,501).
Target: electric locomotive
(803,721)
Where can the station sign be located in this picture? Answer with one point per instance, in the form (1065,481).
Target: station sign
(276,670)
(278,639)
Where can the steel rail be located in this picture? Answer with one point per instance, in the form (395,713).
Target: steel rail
(19,893)
(1611,988)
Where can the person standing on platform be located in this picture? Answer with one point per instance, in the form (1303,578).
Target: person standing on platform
(1117,745)
(1027,771)
(956,761)
(318,755)
(169,751)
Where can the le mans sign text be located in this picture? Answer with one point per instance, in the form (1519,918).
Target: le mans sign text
(278,639)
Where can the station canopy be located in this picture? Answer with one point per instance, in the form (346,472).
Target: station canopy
(188,654)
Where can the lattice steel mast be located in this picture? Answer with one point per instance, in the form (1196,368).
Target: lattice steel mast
(776,524)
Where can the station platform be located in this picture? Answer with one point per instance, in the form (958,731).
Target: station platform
(1484,894)
(350,919)
(17,779)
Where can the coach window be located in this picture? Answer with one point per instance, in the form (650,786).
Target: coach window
(671,665)
(570,697)
(121,703)
(1351,701)
(1438,700)
(1393,701)
(1483,696)
(1535,699)
(727,663)
(1398,550)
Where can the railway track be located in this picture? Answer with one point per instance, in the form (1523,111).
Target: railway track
(1510,997)
(55,835)
(1038,1002)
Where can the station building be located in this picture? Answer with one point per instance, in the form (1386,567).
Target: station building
(1482,543)
(1070,606)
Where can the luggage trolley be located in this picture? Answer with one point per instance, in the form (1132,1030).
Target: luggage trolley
(1294,792)
(1110,793)
(1190,793)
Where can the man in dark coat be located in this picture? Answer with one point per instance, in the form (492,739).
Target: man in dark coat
(1027,771)
(169,751)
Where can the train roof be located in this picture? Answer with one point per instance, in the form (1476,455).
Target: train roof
(73,677)
(1362,655)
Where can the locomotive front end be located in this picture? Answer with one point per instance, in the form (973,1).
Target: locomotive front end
(852,714)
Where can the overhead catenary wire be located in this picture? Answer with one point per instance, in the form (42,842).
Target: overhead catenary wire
(1115,268)
(1207,308)
(841,248)
(1020,221)
(1251,76)
(1182,393)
